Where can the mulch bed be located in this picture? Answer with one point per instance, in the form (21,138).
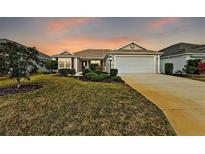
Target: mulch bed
(22,89)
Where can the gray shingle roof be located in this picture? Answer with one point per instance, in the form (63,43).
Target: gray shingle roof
(180,48)
(92,53)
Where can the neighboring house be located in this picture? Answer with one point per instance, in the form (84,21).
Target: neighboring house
(43,57)
(130,58)
(179,53)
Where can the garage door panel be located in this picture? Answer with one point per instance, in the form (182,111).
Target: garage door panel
(135,64)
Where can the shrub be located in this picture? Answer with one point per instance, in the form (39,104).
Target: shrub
(113,72)
(202,67)
(85,71)
(72,72)
(169,68)
(117,78)
(94,77)
(93,67)
(105,76)
(51,65)
(65,72)
(191,66)
(178,73)
(99,69)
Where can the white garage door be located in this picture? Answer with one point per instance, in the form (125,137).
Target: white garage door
(135,64)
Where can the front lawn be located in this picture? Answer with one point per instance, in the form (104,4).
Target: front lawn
(67,106)
(199,78)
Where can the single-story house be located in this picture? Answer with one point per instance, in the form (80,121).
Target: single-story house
(130,58)
(179,53)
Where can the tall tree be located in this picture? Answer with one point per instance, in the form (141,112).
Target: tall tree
(51,65)
(17,61)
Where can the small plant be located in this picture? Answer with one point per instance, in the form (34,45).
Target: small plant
(105,76)
(99,69)
(72,72)
(93,67)
(51,65)
(113,72)
(117,78)
(66,71)
(169,68)
(192,66)
(94,77)
(85,71)
(178,73)
(63,72)
(202,67)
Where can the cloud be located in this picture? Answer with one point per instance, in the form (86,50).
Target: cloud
(63,25)
(161,22)
(81,43)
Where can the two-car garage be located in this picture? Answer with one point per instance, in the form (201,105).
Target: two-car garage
(135,64)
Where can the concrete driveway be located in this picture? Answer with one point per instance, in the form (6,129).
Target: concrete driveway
(182,100)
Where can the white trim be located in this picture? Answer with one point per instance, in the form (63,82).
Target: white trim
(154,60)
(76,64)
(154,64)
(131,43)
(158,64)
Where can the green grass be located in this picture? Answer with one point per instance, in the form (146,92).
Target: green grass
(199,78)
(67,106)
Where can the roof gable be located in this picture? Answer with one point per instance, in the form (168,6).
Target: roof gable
(66,53)
(132,46)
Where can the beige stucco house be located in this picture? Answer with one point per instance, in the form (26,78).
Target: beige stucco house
(130,58)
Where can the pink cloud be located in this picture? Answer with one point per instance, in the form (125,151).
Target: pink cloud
(63,25)
(81,43)
(156,24)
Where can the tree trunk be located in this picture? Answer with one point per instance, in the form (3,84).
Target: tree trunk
(18,83)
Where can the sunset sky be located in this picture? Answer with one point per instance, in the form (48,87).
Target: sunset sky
(53,35)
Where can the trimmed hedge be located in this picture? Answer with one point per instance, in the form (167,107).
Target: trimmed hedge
(192,66)
(65,72)
(117,78)
(113,72)
(93,67)
(169,68)
(94,77)
(85,71)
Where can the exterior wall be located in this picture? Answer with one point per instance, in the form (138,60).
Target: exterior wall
(178,62)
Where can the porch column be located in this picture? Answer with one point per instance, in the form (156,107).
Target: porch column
(158,63)
(76,64)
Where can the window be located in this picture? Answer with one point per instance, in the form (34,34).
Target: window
(95,62)
(67,64)
(61,64)
(64,63)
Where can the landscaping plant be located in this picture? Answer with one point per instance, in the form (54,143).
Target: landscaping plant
(113,72)
(191,66)
(93,67)
(17,61)
(86,70)
(66,71)
(51,65)
(94,77)
(202,67)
